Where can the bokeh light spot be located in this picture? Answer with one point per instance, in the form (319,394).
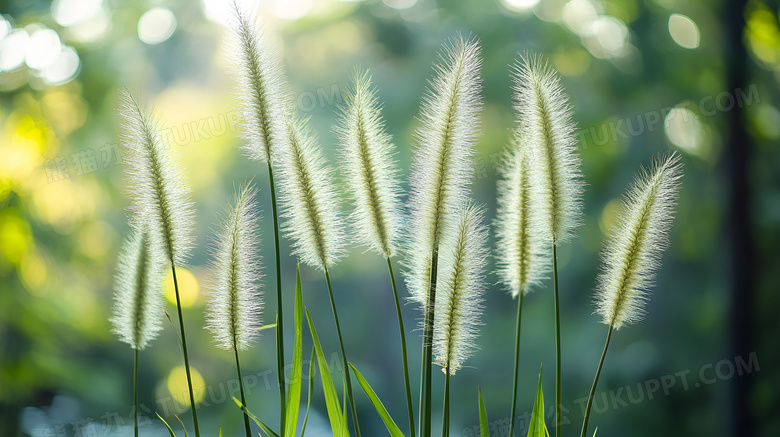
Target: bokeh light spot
(90,29)
(399,4)
(33,272)
(179,389)
(95,239)
(15,236)
(578,16)
(64,68)
(685,131)
(43,48)
(188,287)
(291,9)
(156,25)
(611,33)
(13,49)
(609,215)
(221,11)
(571,62)
(520,5)
(69,12)
(684,31)
(5,27)
(767,119)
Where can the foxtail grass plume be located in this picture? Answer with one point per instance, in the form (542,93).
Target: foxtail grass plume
(442,166)
(459,299)
(370,172)
(310,202)
(547,127)
(632,252)
(234,307)
(158,190)
(138,298)
(262,89)
(520,255)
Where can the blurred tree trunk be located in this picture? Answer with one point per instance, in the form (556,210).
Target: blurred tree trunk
(742,260)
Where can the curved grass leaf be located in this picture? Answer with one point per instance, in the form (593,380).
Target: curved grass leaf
(169,427)
(259,422)
(380,408)
(296,377)
(335,414)
(484,429)
(166,425)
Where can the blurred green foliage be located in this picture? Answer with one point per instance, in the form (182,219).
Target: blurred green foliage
(624,66)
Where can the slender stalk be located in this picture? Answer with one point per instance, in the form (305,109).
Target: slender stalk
(445,427)
(135,389)
(427,351)
(279,311)
(243,398)
(409,405)
(343,355)
(184,349)
(517,364)
(557,344)
(595,381)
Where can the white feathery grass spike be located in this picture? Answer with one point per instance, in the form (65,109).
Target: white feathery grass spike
(235,306)
(138,299)
(556,180)
(521,257)
(309,199)
(443,157)
(459,300)
(261,89)
(158,190)
(370,172)
(633,250)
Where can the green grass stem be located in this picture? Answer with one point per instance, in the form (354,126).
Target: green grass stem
(186,356)
(279,306)
(409,405)
(427,351)
(557,343)
(517,364)
(595,382)
(343,356)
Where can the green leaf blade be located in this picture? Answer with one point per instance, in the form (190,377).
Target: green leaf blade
(537,427)
(259,422)
(296,376)
(332,403)
(484,429)
(380,408)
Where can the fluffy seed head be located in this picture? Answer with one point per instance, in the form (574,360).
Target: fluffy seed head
(442,166)
(521,257)
(309,199)
(158,190)
(556,181)
(632,252)
(138,299)
(261,89)
(235,305)
(459,299)
(370,171)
